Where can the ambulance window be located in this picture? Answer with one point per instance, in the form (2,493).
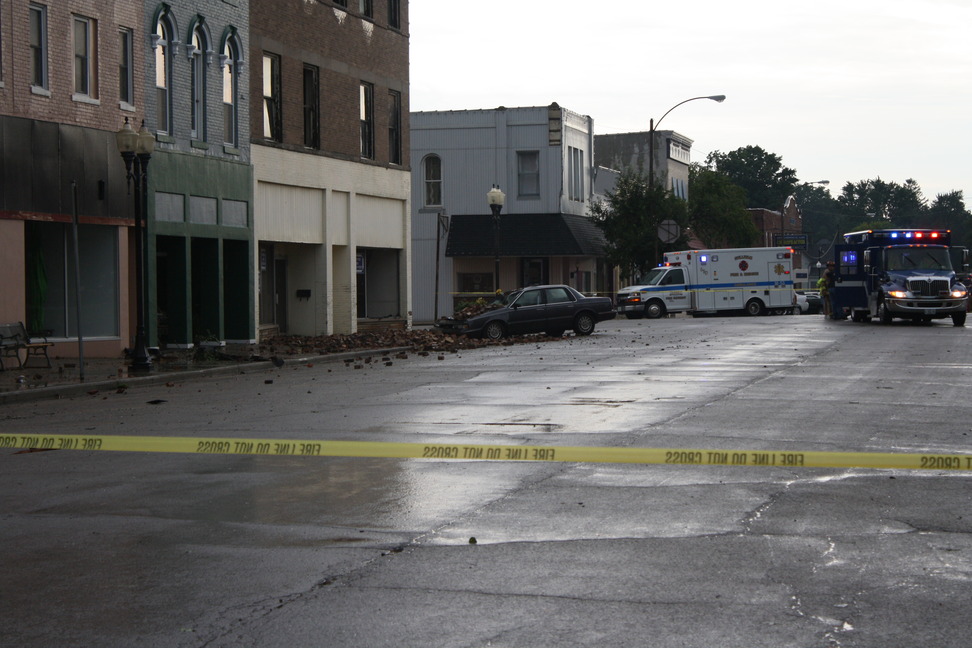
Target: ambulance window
(674,277)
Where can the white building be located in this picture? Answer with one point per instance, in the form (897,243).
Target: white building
(541,158)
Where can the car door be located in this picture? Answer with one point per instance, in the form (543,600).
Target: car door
(560,309)
(528,312)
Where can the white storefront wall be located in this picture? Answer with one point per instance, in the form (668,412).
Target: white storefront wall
(320,213)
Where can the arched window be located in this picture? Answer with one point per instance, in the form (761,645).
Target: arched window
(198,50)
(230,60)
(433,181)
(163,44)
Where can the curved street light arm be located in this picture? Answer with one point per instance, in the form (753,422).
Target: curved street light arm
(718,98)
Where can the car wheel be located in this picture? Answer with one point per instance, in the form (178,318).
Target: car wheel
(584,324)
(884,315)
(654,309)
(494,330)
(755,307)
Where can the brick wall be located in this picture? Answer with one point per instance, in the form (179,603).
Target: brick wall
(57,104)
(348,49)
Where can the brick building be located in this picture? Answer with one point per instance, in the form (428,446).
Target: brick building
(66,86)
(71,73)
(329,124)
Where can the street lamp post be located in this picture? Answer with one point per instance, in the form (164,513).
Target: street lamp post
(136,149)
(653,126)
(495,199)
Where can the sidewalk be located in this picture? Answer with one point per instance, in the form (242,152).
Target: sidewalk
(64,378)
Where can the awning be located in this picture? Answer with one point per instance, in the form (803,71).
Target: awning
(524,235)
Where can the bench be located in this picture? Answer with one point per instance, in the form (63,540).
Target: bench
(13,338)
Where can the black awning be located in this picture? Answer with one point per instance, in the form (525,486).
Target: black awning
(472,235)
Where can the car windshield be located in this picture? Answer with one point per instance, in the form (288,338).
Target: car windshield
(917,258)
(651,278)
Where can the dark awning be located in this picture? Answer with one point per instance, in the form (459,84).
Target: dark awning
(523,235)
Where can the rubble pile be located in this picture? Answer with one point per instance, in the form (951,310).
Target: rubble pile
(422,340)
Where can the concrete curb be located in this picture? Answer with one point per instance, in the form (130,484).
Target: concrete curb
(69,390)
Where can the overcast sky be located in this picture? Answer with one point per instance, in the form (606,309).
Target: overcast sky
(842,90)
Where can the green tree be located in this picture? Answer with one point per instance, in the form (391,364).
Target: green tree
(762,176)
(717,210)
(948,211)
(876,203)
(629,219)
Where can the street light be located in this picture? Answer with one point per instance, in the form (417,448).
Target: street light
(495,199)
(653,126)
(136,149)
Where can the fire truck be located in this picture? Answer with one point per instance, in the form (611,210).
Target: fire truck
(903,273)
(753,280)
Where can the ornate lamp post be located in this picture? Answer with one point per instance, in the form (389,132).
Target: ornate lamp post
(495,198)
(136,149)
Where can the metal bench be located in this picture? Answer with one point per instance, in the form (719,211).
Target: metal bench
(14,337)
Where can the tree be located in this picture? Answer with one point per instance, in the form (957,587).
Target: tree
(629,219)
(762,176)
(948,211)
(717,210)
(883,204)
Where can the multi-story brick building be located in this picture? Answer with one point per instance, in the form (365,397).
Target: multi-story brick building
(71,73)
(66,86)
(329,123)
(200,180)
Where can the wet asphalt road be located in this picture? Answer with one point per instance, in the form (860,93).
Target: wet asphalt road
(126,549)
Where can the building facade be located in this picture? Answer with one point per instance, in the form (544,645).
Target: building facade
(61,101)
(329,131)
(541,158)
(200,200)
(672,153)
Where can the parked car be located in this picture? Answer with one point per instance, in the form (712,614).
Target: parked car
(808,302)
(537,309)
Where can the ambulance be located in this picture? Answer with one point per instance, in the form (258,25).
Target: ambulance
(756,281)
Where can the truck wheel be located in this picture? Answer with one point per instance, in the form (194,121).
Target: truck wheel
(654,309)
(755,307)
(958,319)
(584,324)
(884,315)
(494,330)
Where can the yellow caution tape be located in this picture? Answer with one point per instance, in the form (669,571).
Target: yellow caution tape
(466,452)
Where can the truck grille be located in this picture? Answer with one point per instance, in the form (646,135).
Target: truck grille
(929,287)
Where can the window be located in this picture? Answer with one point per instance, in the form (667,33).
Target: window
(197,83)
(364,6)
(38,46)
(394,127)
(85,76)
(163,73)
(272,119)
(231,61)
(575,174)
(558,296)
(433,181)
(312,93)
(528,173)
(126,68)
(367,110)
(341,3)
(395,14)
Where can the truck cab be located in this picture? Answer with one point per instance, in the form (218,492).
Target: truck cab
(906,274)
